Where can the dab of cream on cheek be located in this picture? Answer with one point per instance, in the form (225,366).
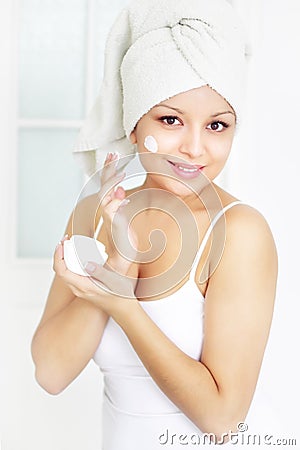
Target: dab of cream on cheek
(150,144)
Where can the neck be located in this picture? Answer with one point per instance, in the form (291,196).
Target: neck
(195,201)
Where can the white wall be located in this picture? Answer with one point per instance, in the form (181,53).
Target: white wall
(30,419)
(263,172)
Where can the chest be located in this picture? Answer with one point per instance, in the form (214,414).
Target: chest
(169,251)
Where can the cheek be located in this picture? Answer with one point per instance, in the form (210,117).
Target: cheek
(221,147)
(167,142)
(157,142)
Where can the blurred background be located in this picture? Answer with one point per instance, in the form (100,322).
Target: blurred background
(51,59)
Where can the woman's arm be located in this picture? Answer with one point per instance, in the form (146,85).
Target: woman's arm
(216,392)
(64,343)
(71,326)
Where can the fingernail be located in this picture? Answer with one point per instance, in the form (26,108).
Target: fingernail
(90,267)
(117,155)
(58,245)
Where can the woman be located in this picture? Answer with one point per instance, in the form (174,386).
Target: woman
(177,325)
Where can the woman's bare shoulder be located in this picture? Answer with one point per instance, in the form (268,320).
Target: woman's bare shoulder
(249,238)
(246,218)
(242,216)
(246,227)
(84,216)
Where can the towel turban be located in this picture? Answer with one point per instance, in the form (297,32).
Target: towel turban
(157,49)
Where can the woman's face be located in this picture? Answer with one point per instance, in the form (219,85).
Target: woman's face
(193,133)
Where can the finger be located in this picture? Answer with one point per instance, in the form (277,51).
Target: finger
(120,193)
(109,279)
(107,187)
(109,169)
(112,208)
(77,283)
(98,272)
(104,201)
(65,238)
(59,265)
(108,198)
(108,159)
(115,157)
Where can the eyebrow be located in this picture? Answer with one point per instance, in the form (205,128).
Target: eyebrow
(170,107)
(181,112)
(220,113)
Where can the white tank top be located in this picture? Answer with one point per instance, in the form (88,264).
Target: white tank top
(136,413)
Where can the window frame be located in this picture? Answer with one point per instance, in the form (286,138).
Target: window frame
(19,123)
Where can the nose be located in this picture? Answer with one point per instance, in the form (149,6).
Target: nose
(193,143)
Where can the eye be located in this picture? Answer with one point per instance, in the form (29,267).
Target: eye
(218,126)
(170,120)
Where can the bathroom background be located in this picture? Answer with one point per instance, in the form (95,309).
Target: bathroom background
(51,59)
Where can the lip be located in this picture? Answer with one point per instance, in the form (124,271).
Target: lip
(182,173)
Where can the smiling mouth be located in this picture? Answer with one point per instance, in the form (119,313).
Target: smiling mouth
(187,167)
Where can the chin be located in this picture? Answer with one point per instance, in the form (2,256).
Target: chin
(184,189)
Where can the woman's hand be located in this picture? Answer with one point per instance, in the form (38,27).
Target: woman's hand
(121,240)
(109,284)
(105,288)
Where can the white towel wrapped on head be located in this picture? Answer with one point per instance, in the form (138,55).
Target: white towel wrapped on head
(157,49)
